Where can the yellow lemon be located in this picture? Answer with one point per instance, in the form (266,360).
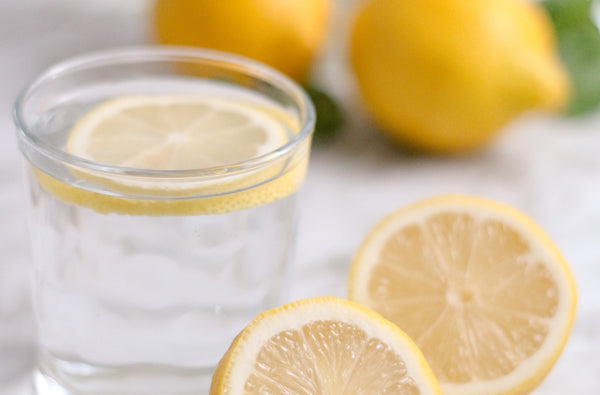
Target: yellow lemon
(482,291)
(323,346)
(284,34)
(445,75)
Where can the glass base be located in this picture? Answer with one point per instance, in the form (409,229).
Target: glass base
(70,378)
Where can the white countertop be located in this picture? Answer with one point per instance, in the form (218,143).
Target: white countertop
(548,168)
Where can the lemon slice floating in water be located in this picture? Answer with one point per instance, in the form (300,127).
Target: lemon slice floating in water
(174,133)
(186,132)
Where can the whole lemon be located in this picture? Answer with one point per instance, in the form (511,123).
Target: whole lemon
(286,34)
(446,75)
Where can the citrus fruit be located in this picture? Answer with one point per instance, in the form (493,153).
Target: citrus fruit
(181,132)
(174,133)
(478,286)
(322,346)
(445,76)
(284,34)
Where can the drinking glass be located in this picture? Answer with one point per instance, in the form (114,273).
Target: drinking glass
(143,277)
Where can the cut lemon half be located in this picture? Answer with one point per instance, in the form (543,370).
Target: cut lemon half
(323,346)
(186,132)
(478,286)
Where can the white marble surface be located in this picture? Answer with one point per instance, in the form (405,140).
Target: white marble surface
(549,168)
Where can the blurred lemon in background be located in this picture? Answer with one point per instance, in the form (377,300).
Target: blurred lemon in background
(445,75)
(286,34)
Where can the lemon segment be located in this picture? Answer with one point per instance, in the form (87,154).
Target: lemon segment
(322,346)
(478,286)
(186,132)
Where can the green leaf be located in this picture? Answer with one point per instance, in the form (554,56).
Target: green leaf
(579,43)
(568,14)
(329,115)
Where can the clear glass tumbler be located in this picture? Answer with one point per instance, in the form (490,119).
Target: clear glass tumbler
(142,277)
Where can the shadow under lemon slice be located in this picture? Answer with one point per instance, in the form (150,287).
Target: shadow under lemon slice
(180,133)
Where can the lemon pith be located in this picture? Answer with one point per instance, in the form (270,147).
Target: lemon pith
(480,288)
(322,346)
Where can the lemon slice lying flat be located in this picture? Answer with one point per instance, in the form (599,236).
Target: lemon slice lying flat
(187,132)
(174,133)
(323,346)
(479,287)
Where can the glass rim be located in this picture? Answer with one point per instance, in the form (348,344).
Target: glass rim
(124,55)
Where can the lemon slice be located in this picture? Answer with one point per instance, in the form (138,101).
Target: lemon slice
(323,346)
(174,133)
(478,286)
(187,132)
